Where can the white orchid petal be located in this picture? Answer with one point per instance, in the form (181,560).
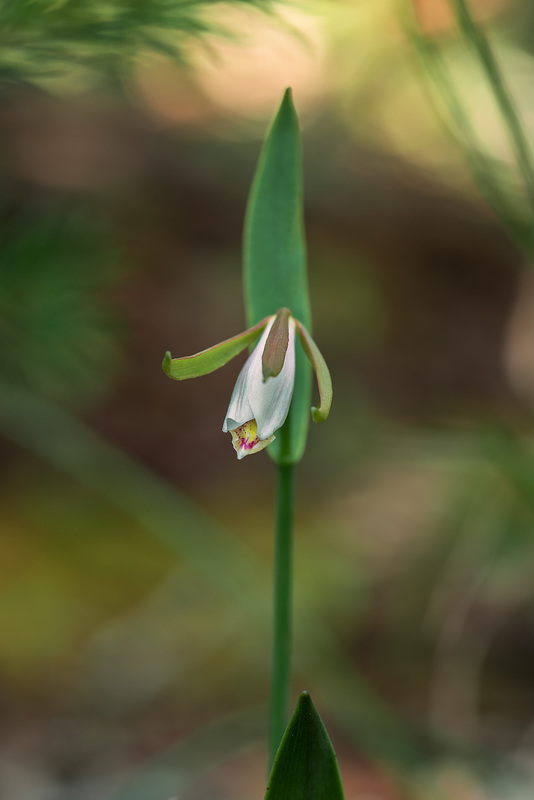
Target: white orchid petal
(270,400)
(265,403)
(240,409)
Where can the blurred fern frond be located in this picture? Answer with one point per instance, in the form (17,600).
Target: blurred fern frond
(488,172)
(476,39)
(48,37)
(56,333)
(506,183)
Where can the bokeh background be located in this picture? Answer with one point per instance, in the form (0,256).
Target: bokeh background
(135,551)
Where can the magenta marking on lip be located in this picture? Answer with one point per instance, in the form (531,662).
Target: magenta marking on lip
(245,443)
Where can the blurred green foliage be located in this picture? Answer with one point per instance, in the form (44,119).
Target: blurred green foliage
(83,38)
(508,188)
(58,332)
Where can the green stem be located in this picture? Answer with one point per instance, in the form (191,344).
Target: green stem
(281,656)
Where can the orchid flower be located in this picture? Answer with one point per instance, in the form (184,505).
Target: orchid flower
(262,394)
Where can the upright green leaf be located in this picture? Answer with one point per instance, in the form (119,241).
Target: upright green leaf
(306,766)
(275,258)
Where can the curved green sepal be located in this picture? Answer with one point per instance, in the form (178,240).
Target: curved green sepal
(180,369)
(324,381)
(305,767)
(275,258)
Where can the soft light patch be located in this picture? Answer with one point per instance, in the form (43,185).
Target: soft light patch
(245,439)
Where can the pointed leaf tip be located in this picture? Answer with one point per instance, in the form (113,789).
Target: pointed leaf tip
(287,111)
(288,96)
(306,766)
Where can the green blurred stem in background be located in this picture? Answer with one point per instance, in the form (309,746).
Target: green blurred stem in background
(283,563)
(477,40)
(512,211)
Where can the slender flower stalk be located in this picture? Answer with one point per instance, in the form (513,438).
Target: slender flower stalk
(282,608)
(259,407)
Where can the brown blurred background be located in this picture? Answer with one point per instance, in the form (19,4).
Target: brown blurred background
(135,550)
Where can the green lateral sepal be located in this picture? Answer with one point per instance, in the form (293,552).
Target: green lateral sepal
(324,381)
(180,369)
(305,767)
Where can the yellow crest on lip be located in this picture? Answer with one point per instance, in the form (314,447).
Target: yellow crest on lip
(246,441)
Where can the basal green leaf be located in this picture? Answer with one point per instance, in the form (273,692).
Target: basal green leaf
(305,767)
(275,258)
